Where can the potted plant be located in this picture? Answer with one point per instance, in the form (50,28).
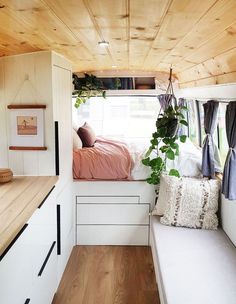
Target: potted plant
(164,142)
(89,86)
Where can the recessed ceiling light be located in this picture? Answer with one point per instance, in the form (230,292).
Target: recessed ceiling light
(103,43)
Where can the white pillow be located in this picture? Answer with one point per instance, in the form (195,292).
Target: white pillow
(189,161)
(191,202)
(161,204)
(77,143)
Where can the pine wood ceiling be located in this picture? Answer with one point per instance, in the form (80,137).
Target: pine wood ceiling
(198,37)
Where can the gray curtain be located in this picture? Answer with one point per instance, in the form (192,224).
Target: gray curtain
(209,151)
(229,176)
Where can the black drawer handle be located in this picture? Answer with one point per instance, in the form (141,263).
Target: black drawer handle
(46,198)
(57,160)
(46,259)
(58,229)
(13,242)
(27,301)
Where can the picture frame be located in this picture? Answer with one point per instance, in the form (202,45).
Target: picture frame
(26,127)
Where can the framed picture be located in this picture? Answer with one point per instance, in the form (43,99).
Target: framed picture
(27,127)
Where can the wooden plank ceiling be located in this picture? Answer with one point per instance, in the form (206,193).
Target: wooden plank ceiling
(196,37)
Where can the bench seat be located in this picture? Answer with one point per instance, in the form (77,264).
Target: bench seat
(193,266)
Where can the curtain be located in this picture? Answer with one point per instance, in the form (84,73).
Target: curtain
(210,153)
(229,175)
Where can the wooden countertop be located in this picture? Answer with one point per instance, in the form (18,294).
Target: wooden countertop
(18,201)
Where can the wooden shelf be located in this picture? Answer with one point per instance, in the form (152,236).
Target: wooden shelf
(19,106)
(28,148)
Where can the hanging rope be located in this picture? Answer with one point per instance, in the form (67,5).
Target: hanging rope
(35,93)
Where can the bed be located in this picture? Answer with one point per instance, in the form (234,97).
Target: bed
(111,159)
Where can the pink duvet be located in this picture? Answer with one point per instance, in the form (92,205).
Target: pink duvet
(107,160)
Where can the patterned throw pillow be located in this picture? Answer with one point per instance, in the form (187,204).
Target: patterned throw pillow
(161,202)
(191,202)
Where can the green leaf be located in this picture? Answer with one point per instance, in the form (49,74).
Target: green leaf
(162,132)
(170,154)
(153,141)
(174,145)
(154,135)
(174,172)
(149,151)
(146,161)
(183,122)
(166,140)
(156,162)
(183,138)
(163,149)
(104,94)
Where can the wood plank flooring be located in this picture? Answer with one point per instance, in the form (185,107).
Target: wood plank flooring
(108,275)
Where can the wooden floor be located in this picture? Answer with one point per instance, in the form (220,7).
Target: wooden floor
(108,275)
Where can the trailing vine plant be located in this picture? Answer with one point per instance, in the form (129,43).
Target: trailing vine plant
(87,87)
(164,139)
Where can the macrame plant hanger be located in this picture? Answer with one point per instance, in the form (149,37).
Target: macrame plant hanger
(168,98)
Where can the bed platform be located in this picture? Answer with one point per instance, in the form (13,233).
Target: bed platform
(113,212)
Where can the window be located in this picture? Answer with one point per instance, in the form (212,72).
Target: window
(223,143)
(196,126)
(123,117)
(193,121)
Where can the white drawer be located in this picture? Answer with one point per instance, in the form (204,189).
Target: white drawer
(113,214)
(107,199)
(112,235)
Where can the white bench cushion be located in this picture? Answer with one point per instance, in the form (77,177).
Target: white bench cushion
(196,266)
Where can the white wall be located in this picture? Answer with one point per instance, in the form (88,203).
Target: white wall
(15,89)
(224,92)
(49,82)
(221,91)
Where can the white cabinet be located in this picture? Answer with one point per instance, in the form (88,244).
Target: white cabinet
(65,215)
(112,220)
(28,268)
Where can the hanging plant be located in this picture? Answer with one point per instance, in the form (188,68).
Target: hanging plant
(164,139)
(87,87)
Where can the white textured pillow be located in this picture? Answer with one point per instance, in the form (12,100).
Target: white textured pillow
(191,202)
(161,204)
(77,143)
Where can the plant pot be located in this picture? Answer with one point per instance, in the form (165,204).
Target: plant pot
(171,126)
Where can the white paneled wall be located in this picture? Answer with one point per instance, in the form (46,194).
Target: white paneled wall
(15,89)
(49,83)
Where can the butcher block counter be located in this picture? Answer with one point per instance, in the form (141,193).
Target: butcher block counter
(18,201)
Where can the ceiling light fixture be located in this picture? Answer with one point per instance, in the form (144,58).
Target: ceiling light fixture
(114,66)
(103,43)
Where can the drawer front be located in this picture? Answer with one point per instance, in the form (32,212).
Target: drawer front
(107,199)
(46,284)
(113,214)
(16,271)
(112,235)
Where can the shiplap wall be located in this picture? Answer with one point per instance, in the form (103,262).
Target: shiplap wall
(41,88)
(228,92)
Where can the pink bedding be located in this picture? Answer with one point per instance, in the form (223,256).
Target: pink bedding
(107,160)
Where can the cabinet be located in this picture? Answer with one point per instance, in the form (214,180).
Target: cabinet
(112,220)
(27,270)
